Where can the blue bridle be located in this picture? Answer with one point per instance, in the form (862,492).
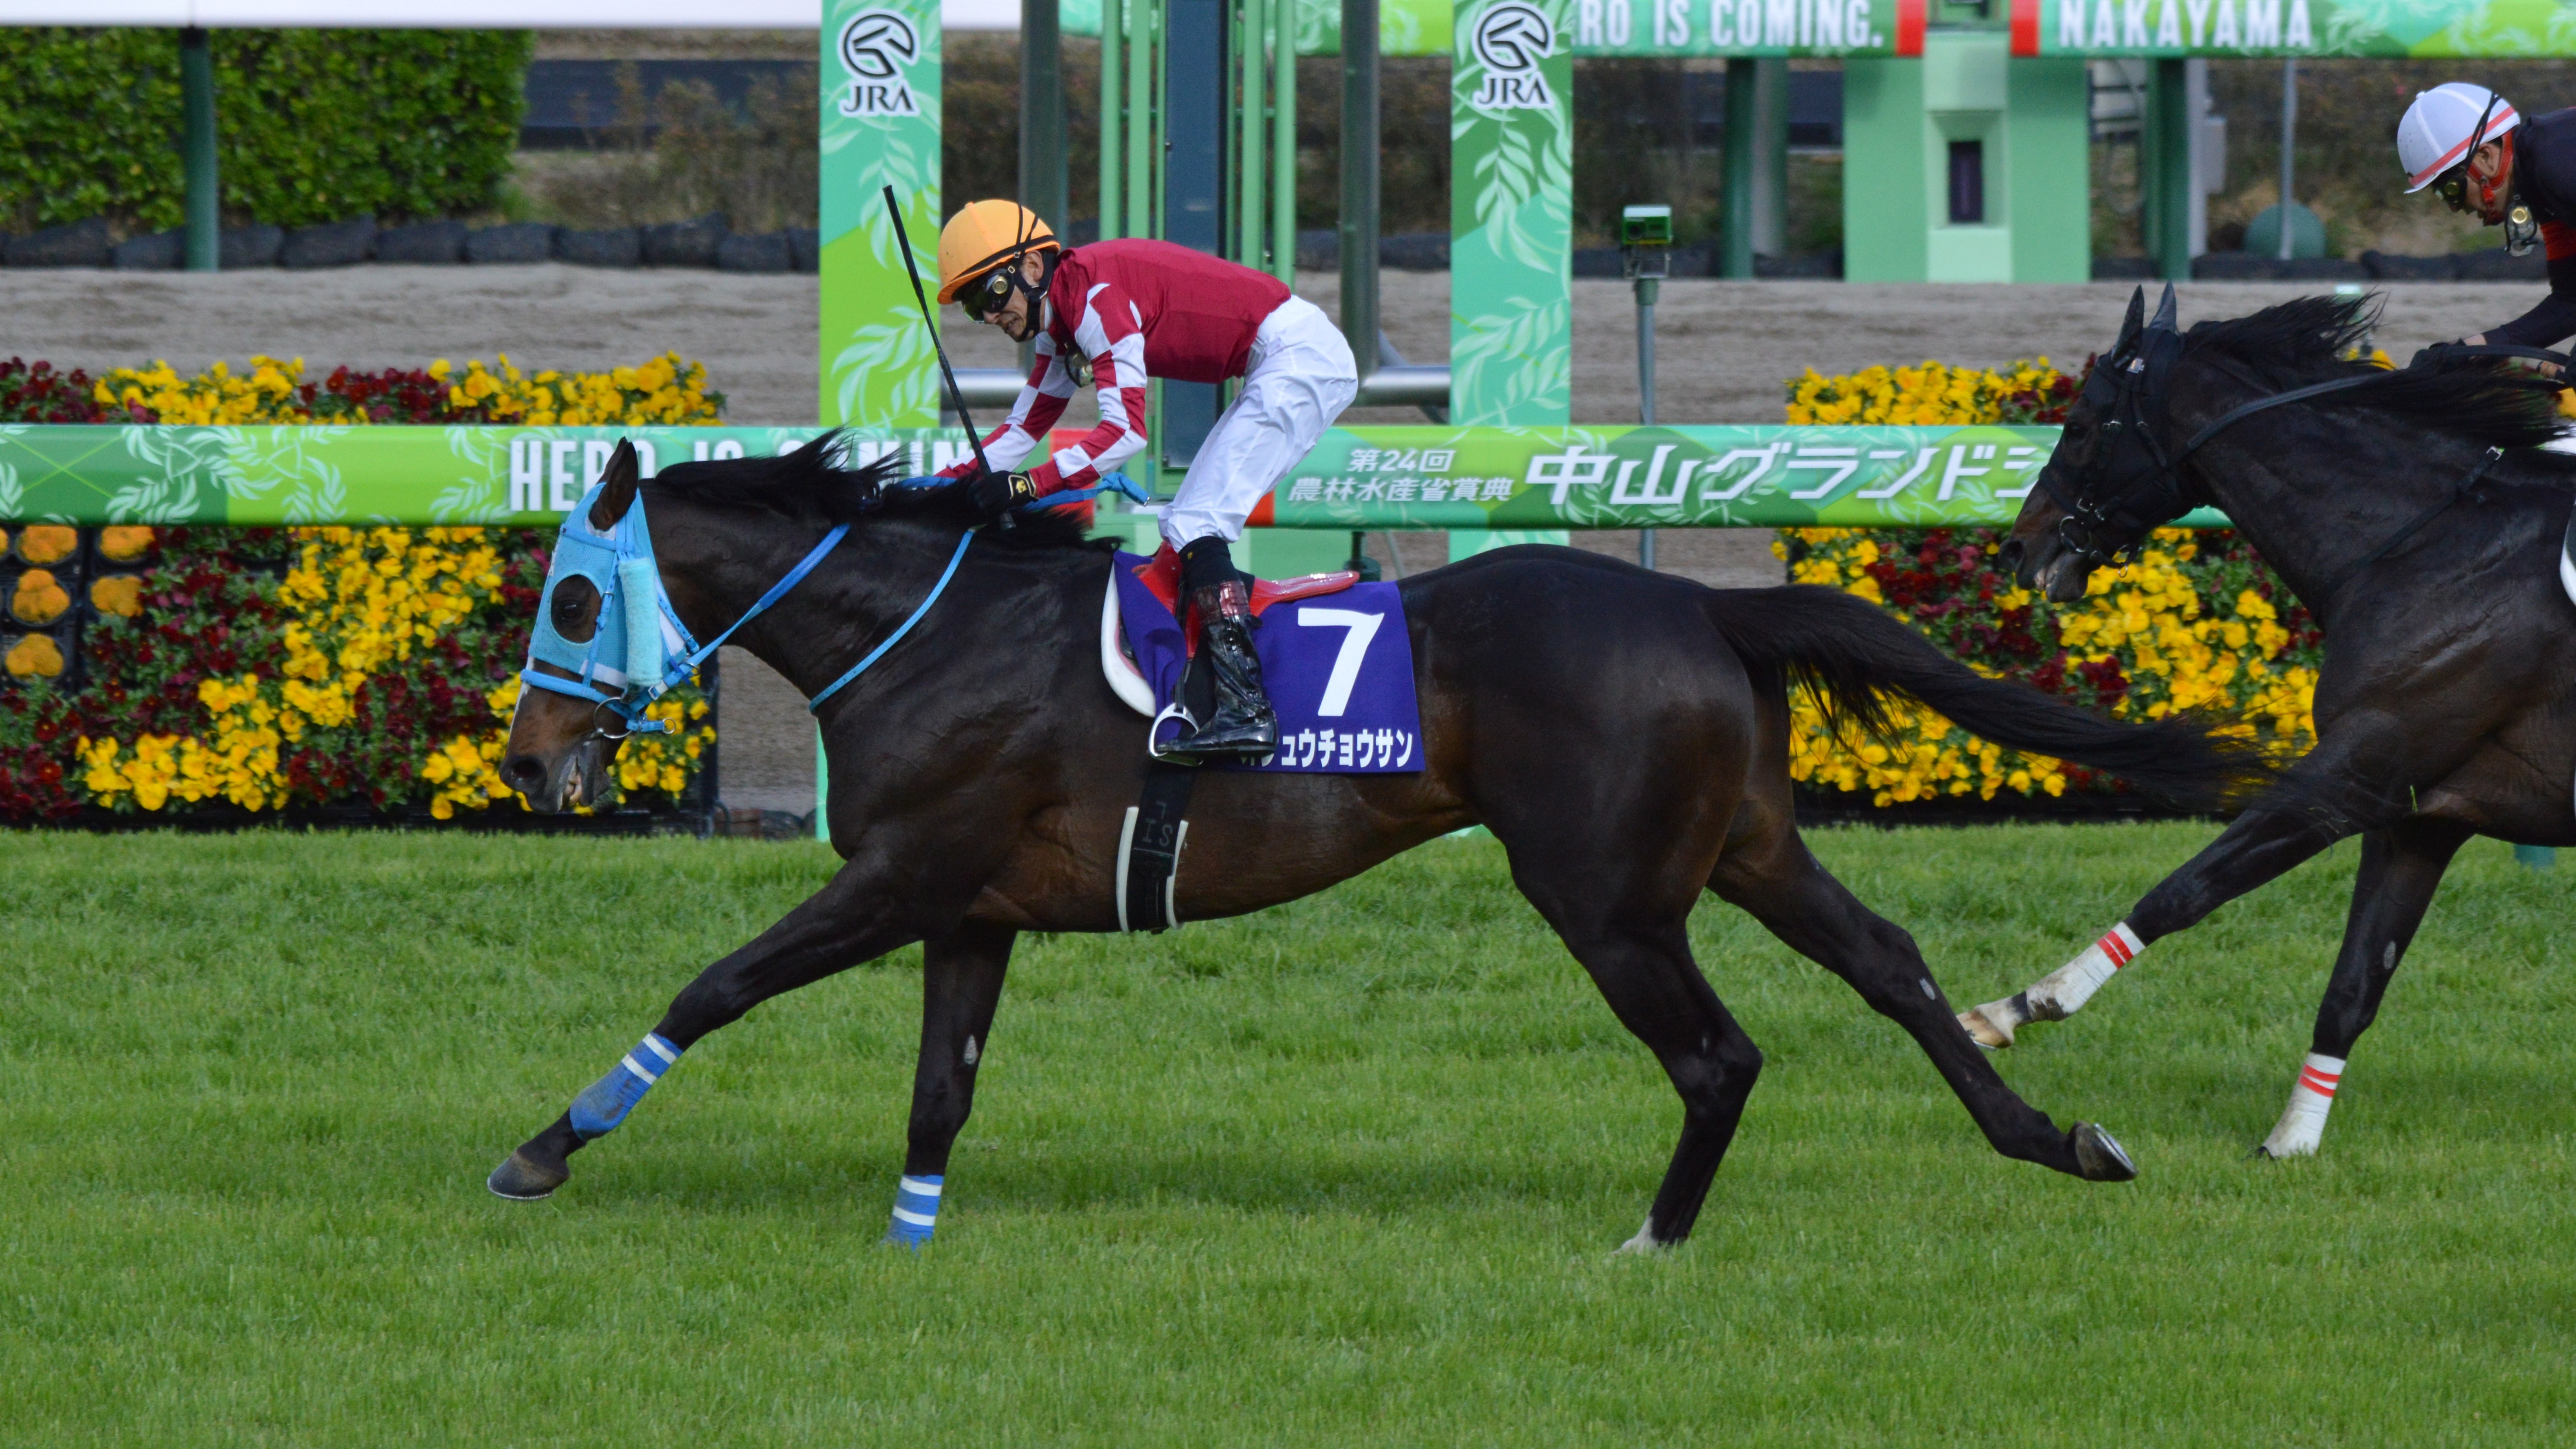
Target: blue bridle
(639,649)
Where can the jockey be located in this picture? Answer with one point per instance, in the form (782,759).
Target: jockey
(2487,160)
(1116,314)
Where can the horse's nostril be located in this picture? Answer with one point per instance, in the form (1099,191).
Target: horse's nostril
(2009,556)
(524,772)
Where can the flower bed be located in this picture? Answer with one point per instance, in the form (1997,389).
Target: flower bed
(267,668)
(2197,623)
(669,391)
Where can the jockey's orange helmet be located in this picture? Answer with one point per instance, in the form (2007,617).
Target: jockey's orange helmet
(984,235)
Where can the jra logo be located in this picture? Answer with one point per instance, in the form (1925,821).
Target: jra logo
(877,45)
(1511,39)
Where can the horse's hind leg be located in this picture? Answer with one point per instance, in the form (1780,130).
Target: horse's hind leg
(2400,869)
(1782,885)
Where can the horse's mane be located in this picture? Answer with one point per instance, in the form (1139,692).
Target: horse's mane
(812,487)
(2302,342)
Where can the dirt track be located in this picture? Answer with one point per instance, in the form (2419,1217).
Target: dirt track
(1723,350)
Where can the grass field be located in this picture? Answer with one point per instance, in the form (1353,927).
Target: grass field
(1349,1171)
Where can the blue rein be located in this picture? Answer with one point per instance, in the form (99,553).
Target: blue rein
(815,704)
(626,622)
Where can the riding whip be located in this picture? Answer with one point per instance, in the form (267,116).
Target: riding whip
(956,397)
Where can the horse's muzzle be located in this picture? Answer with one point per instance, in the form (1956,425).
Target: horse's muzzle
(578,776)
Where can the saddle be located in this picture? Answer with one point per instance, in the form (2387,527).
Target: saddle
(1161,576)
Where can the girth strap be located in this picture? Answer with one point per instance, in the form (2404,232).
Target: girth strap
(1149,849)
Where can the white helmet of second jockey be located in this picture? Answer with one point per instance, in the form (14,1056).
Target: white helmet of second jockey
(2447,124)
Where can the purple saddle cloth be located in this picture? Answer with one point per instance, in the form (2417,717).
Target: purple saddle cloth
(1338,668)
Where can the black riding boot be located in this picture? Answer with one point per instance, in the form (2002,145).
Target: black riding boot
(1241,726)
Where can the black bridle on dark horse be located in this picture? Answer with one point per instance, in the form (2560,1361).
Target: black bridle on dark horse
(2146,488)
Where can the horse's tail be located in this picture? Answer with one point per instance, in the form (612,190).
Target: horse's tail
(1851,657)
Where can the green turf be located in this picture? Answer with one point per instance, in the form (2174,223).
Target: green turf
(1349,1171)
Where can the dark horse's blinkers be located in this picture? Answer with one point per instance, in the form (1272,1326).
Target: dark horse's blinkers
(2131,486)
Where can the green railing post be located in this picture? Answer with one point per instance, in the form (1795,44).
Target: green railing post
(1283,141)
(1359,181)
(1743,150)
(1252,65)
(2167,163)
(1042,183)
(1770,209)
(1144,96)
(1113,115)
(197,151)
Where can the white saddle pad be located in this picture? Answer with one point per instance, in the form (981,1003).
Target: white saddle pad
(1125,679)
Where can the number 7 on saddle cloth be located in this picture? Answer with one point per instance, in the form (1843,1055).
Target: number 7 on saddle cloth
(1339,669)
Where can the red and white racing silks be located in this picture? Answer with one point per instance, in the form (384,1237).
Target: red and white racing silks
(1137,310)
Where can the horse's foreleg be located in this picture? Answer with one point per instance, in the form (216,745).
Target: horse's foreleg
(852,919)
(2400,869)
(2330,794)
(1784,887)
(961,984)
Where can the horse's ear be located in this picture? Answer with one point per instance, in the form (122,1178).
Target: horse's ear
(2166,319)
(2130,324)
(616,488)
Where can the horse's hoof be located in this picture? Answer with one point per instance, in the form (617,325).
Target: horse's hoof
(522,1178)
(1644,1242)
(2099,1157)
(1983,1031)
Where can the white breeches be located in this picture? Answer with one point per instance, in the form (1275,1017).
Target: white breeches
(1300,379)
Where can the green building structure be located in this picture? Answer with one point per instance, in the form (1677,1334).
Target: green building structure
(1968,165)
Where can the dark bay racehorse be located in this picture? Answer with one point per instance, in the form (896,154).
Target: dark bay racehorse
(1624,734)
(2416,519)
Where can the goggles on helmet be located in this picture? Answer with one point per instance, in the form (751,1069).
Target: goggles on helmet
(989,292)
(2453,188)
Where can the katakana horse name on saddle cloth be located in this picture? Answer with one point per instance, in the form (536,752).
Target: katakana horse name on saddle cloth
(1335,657)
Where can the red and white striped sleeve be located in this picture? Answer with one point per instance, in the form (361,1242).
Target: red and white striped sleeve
(1040,403)
(1112,334)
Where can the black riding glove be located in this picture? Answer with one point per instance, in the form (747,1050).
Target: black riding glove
(996,494)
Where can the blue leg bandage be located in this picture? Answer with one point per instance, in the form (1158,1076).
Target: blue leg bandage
(916,1211)
(605,1103)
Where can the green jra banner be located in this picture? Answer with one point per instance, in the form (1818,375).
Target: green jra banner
(2465,28)
(880,127)
(1356,478)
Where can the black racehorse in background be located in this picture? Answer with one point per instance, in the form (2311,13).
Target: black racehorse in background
(1623,733)
(2415,516)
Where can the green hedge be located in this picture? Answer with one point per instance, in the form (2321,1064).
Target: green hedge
(313,125)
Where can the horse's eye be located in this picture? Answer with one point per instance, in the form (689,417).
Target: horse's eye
(576,609)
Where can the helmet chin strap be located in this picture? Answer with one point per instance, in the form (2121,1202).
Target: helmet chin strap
(2493,192)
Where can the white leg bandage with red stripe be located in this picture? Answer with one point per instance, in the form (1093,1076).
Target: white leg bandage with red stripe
(2063,992)
(2303,1122)
(2059,994)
